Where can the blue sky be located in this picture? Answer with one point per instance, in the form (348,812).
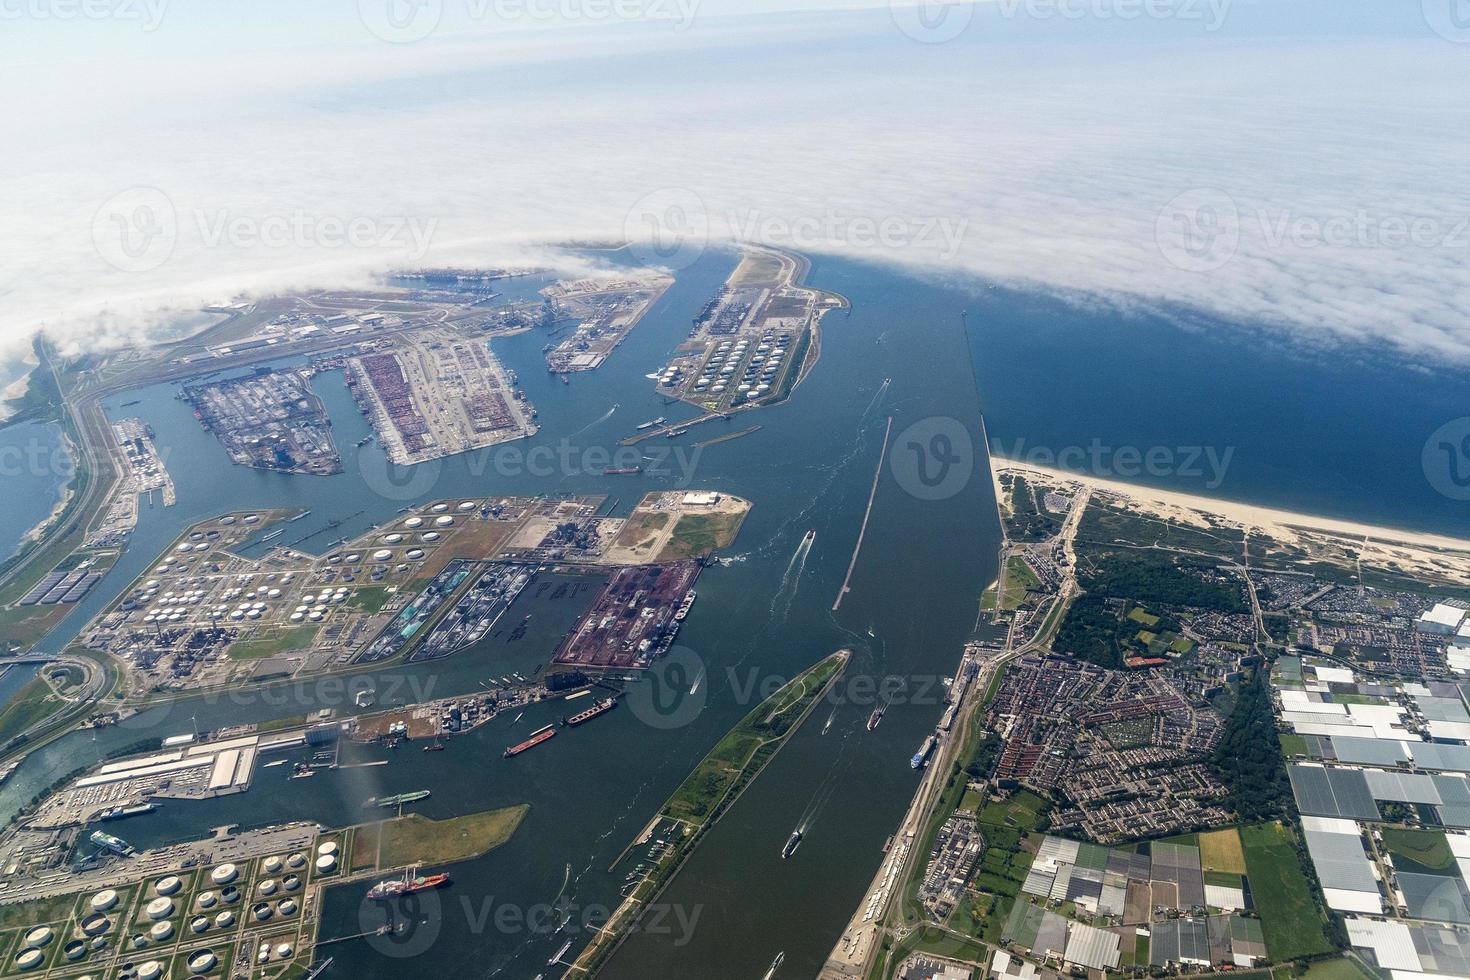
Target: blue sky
(1297,165)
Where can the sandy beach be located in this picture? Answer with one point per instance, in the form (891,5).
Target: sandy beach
(1186,509)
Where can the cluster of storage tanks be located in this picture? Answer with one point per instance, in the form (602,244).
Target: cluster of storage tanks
(759,373)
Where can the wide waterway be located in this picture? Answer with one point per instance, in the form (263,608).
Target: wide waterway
(1050,375)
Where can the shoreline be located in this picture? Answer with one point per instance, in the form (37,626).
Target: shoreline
(1251,515)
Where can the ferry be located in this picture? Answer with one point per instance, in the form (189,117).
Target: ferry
(792,843)
(114,844)
(118,812)
(685,606)
(581,717)
(652,422)
(407,885)
(537,737)
(921,757)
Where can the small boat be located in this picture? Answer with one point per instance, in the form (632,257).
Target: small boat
(776,965)
(792,843)
(623,471)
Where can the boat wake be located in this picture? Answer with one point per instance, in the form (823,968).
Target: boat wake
(877,396)
(790,581)
(595,422)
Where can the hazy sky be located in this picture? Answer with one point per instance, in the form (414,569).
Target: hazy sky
(1297,165)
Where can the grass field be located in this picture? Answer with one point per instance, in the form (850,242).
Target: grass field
(1220,850)
(701,534)
(29,705)
(1342,968)
(415,839)
(274,642)
(1424,851)
(1290,918)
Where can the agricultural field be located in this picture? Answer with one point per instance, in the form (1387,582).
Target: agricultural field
(1290,916)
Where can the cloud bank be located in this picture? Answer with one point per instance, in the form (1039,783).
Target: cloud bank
(1301,170)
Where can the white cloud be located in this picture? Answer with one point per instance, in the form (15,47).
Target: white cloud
(1310,184)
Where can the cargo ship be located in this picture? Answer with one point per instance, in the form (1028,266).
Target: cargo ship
(537,737)
(922,756)
(685,606)
(623,471)
(605,705)
(792,843)
(401,798)
(114,844)
(652,422)
(407,885)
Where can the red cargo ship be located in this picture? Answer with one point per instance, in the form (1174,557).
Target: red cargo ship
(406,885)
(537,737)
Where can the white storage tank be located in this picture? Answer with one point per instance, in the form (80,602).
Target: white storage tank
(224,874)
(168,885)
(104,900)
(38,938)
(160,908)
